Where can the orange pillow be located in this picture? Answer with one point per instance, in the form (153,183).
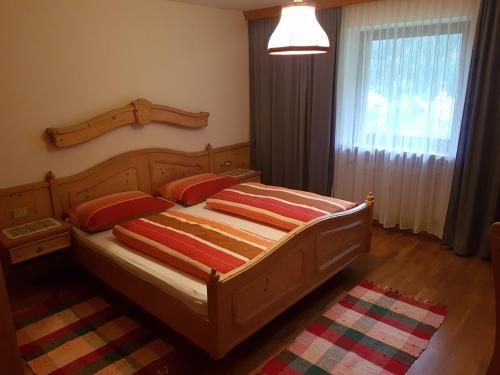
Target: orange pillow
(105,212)
(195,189)
(278,206)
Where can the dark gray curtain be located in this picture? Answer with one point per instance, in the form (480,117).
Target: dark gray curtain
(475,196)
(293,110)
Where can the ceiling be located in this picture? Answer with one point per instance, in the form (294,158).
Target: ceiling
(236,4)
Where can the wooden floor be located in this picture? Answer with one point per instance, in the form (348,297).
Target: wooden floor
(416,265)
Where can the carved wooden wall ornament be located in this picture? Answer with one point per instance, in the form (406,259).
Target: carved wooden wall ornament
(140,111)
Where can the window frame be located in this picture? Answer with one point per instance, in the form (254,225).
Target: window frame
(398,31)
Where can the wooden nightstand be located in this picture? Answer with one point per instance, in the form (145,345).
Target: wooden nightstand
(43,240)
(244,175)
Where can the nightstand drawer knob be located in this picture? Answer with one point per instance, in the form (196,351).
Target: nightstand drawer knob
(40,249)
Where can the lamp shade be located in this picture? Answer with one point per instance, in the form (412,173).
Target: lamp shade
(298,32)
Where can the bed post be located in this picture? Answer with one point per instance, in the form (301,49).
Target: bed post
(210,152)
(370,200)
(51,179)
(214,313)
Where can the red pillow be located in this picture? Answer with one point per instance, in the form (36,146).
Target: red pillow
(105,212)
(195,189)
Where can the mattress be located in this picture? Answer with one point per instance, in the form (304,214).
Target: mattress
(187,289)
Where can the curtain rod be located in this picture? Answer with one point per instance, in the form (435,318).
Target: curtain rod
(276,11)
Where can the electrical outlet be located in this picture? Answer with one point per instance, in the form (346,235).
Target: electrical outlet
(227,163)
(19,213)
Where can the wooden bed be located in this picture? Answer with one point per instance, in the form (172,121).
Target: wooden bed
(242,301)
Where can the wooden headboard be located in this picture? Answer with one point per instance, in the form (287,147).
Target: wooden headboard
(143,170)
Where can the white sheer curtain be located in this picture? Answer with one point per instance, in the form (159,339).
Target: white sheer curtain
(403,72)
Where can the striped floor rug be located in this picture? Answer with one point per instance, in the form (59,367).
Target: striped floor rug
(371,331)
(80,333)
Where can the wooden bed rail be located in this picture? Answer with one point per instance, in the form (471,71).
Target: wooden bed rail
(245,300)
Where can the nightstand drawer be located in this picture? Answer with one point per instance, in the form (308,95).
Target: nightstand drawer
(35,249)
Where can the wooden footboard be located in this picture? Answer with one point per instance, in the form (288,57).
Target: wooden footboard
(245,300)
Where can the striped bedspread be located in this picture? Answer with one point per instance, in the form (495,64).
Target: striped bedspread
(190,243)
(277,206)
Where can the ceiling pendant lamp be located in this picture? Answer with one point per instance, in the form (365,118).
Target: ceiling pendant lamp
(298,32)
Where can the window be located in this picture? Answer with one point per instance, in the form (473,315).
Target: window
(411,86)
(408,86)
(401,86)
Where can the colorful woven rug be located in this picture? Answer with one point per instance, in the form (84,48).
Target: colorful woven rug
(371,331)
(84,334)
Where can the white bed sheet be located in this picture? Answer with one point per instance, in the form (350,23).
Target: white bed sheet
(185,288)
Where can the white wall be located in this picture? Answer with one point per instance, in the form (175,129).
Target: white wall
(64,61)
